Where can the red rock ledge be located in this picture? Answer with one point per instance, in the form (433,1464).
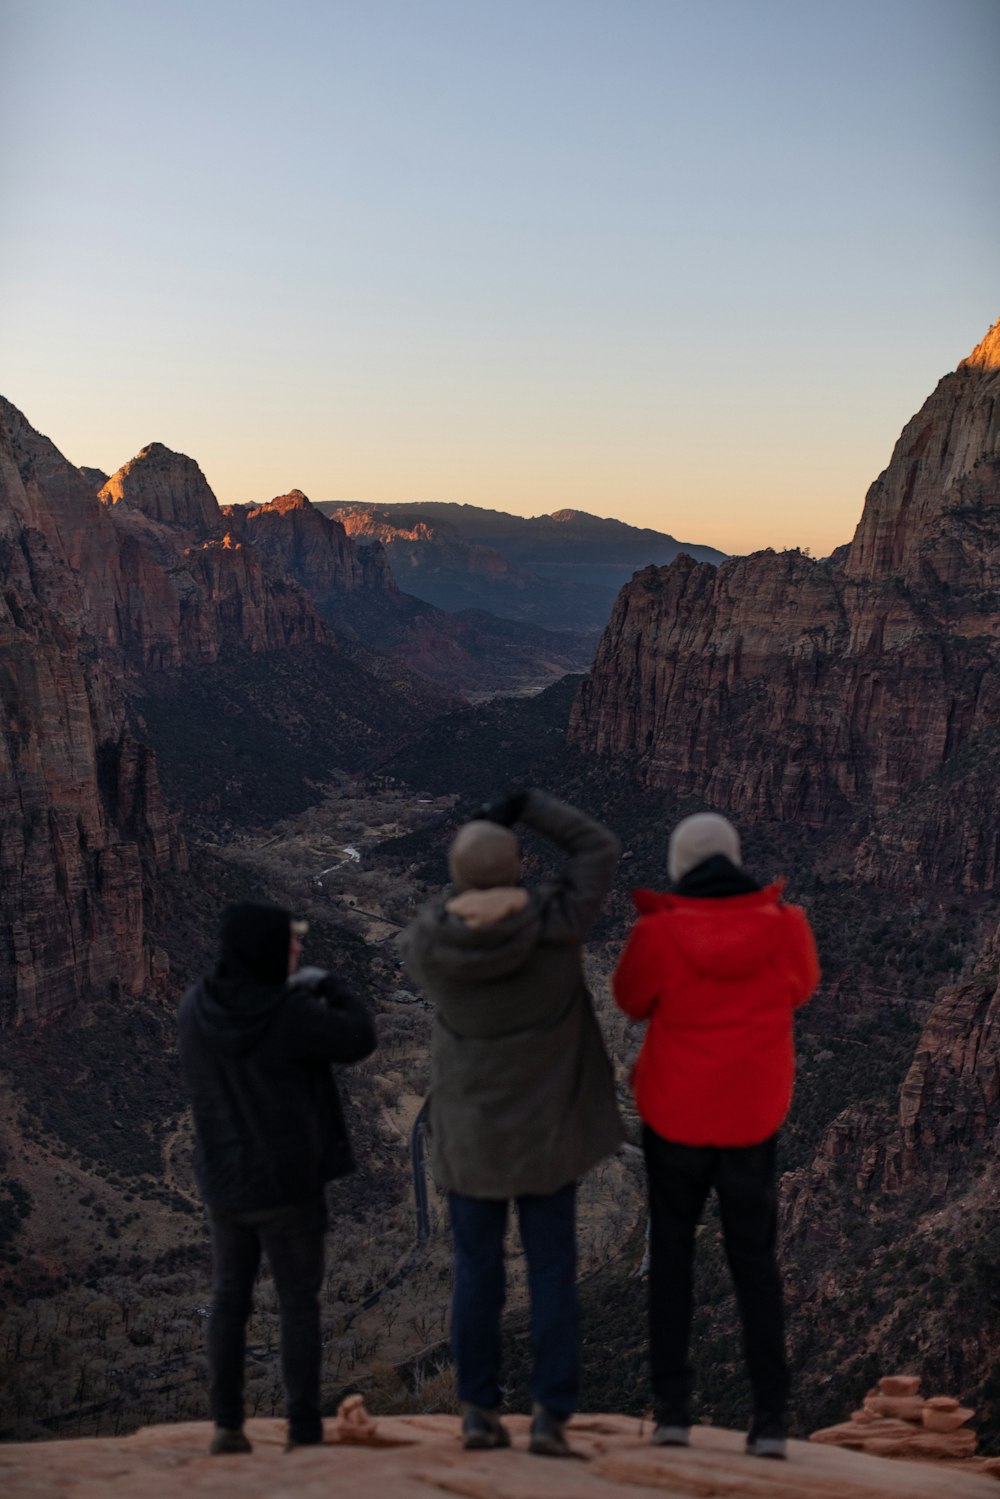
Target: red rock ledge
(419,1457)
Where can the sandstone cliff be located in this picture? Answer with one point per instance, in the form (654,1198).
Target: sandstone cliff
(948,1105)
(84,826)
(782,688)
(167,487)
(188,588)
(301,541)
(928,478)
(419,1457)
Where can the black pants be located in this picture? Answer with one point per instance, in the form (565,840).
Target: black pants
(680,1178)
(292,1239)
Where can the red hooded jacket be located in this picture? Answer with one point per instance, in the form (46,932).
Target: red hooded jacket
(718,980)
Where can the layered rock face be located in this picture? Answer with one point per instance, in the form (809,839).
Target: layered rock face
(935,463)
(946,1113)
(301,541)
(781,688)
(950,1098)
(83,824)
(167,487)
(188,588)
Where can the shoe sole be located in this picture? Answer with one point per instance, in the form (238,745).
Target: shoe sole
(772,1447)
(543,1448)
(671,1436)
(484,1442)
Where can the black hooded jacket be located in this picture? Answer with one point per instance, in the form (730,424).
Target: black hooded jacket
(269,1127)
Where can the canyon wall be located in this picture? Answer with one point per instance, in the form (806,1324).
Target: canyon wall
(301,541)
(781,688)
(83,823)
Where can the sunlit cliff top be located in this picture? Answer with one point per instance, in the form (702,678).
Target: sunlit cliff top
(986,355)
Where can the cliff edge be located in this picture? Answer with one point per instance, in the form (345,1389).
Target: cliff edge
(419,1457)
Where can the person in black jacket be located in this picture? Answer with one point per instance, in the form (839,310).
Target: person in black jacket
(257,1036)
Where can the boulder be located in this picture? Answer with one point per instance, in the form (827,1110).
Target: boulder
(899,1384)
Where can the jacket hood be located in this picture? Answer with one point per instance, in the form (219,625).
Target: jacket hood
(715,878)
(233,1014)
(468,953)
(729,938)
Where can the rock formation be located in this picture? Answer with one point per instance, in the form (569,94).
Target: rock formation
(785,689)
(419,1457)
(84,826)
(896,1421)
(923,516)
(945,1117)
(302,542)
(167,487)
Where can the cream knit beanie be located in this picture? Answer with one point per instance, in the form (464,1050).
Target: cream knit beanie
(699,837)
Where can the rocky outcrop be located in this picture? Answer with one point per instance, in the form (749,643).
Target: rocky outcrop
(940,451)
(946,1115)
(302,542)
(167,487)
(376,570)
(420,1457)
(949,1103)
(83,826)
(95,477)
(781,688)
(896,1421)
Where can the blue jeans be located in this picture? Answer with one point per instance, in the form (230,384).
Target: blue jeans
(292,1239)
(548,1233)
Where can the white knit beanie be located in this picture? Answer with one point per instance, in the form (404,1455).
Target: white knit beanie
(699,837)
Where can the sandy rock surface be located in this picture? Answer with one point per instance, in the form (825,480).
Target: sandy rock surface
(419,1457)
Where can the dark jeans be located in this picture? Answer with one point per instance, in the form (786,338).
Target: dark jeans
(548,1233)
(292,1239)
(680,1178)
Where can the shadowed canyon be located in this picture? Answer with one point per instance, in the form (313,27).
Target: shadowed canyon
(203,703)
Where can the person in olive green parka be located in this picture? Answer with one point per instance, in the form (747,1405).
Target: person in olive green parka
(522,1100)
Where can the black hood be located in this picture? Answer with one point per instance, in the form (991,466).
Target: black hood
(234,1013)
(254,939)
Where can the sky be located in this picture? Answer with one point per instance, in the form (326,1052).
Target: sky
(692,265)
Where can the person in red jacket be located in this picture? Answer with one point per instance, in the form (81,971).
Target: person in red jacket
(716,967)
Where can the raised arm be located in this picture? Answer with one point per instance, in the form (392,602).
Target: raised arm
(327,1023)
(592,857)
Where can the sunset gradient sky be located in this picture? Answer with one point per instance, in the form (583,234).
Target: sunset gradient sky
(689,264)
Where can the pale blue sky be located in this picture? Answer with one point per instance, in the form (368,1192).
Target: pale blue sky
(692,265)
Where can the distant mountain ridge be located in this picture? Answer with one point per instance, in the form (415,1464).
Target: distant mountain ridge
(562,571)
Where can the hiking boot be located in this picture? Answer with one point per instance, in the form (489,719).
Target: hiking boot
(548,1435)
(482,1429)
(671,1426)
(225,1439)
(671,1434)
(766,1437)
